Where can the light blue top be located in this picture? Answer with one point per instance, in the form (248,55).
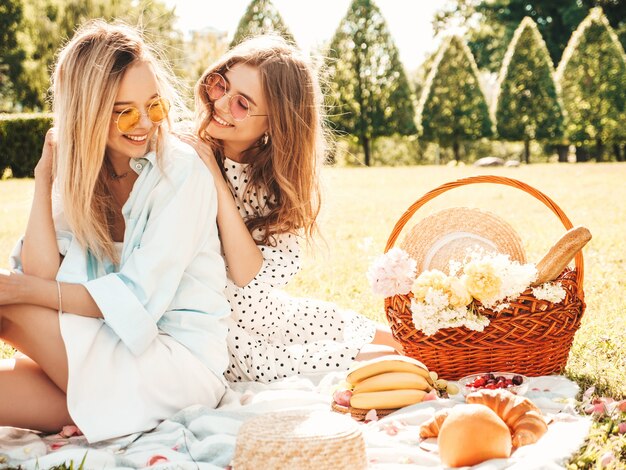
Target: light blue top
(171,276)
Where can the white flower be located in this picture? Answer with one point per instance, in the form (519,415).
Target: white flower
(392,273)
(435,313)
(550,291)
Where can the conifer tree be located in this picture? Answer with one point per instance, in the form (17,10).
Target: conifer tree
(592,76)
(368,91)
(261,17)
(527,106)
(452,108)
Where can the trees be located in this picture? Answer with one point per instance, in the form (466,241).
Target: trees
(592,76)
(261,17)
(527,106)
(368,91)
(11,55)
(452,108)
(491,23)
(47,24)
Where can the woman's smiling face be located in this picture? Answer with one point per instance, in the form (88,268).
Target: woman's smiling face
(138,88)
(238,136)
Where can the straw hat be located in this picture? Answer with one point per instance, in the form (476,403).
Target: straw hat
(299,440)
(448,235)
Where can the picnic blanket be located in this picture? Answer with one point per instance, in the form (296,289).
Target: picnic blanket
(201,438)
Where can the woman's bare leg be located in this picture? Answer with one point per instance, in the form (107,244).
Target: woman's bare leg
(32,389)
(382,344)
(35,331)
(29,399)
(384,337)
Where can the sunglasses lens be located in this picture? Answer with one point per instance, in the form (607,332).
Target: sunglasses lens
(128,119)
(216,86)
(158,110)
(239,107)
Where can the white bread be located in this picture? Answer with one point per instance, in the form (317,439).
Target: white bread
(557,258)
(472,434)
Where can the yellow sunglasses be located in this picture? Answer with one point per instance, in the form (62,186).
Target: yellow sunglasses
(130,117)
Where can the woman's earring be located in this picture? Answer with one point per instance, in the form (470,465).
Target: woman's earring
(265,139)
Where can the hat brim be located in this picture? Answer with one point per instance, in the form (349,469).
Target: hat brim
(451,234)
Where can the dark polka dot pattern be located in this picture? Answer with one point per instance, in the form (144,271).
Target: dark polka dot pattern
(273,335)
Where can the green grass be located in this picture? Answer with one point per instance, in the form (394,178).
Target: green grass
(361,206)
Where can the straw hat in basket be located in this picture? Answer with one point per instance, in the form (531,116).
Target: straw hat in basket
(299,440)
(448,235)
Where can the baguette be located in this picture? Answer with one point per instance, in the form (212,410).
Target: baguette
(558,257)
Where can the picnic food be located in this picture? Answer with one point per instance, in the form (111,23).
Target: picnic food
(380,365)
(514,383)
(472,434)
(388,382)
(387,399)
(557,258)
(466,444)
(392,381)
(432,427)
(519,413)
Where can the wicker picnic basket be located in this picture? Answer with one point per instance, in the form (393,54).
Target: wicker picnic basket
(531,337)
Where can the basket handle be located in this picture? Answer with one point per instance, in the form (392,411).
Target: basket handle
(578,259)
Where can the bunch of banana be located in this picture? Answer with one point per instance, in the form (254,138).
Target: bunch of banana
(388,382)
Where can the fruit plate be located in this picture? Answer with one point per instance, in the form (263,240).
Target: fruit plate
(514,383)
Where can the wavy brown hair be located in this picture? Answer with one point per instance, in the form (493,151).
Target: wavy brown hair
(286,168)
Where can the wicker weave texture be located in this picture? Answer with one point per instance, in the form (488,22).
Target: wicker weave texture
(531,337)
(299,440)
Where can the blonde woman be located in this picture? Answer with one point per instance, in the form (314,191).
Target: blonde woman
(119,315)
(260,133)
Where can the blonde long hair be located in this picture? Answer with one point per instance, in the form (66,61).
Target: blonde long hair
(286,168)
(85,82)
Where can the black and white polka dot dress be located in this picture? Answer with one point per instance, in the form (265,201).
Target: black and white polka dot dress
(272,334)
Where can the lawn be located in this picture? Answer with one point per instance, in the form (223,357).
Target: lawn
(361,206)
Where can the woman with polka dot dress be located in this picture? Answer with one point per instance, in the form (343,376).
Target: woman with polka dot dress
(260,133)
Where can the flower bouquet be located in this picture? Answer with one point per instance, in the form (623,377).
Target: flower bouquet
(460,298)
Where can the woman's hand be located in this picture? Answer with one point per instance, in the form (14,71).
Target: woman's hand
(204,150)
(44,169)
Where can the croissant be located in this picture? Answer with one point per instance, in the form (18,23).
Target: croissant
(431,427)
(522,417)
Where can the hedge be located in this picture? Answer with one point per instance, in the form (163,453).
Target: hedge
(21,140)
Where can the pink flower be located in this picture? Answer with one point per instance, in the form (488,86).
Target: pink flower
(157,459)
(621,427)
(392,273)
(595,408)
(606,459)
(621,405)
(391,429)
(342,397)
(371,416)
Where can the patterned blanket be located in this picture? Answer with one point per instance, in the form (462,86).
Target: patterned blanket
(201,438)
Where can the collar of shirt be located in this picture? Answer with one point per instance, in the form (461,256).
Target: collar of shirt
(138,164)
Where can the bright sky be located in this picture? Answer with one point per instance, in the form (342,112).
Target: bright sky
(314,21)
